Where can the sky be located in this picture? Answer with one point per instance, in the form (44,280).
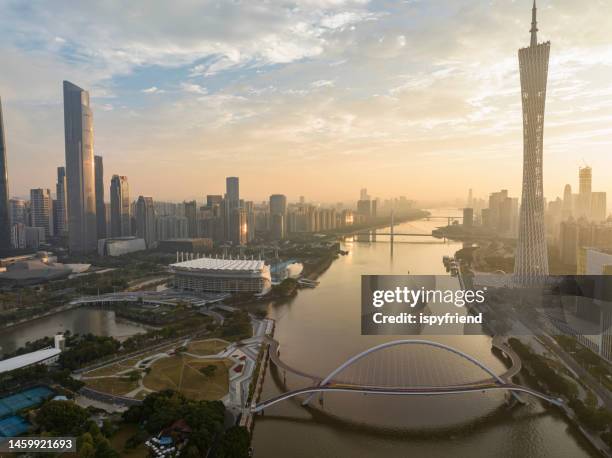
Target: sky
(315,97)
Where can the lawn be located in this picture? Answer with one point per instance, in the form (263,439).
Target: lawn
(112,385)
(207,347)
(182,373)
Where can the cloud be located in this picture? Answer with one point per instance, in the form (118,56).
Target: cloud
(393,84)
(152,90)
(194,88)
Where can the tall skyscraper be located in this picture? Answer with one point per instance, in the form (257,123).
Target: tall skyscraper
(41,208)
(191,213)
(567,202)
(80,186)
(100,207)
(232,202)
(278,216)
(232,190)
(120,207)
(585,179)
(599,210)
(18,213)
(145,220)
(59,210)
(531,261)
(5,220)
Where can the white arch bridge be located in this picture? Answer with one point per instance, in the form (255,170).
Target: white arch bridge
(331,383)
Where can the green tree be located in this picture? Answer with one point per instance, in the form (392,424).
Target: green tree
(62,418)
(208,370)
(235,443)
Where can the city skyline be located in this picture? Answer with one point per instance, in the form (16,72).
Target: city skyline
(402,103)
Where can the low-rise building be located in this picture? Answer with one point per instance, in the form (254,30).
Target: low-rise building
(120,245)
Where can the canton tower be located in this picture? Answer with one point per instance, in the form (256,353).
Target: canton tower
(531,263)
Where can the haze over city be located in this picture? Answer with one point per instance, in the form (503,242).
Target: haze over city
(314,98)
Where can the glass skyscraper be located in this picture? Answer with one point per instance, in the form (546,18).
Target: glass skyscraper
(5,221)
(80,182)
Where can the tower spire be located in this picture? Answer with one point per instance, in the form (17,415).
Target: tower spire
(534,25)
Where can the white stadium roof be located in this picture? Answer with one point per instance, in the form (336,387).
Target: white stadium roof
(221,264)
(28,359)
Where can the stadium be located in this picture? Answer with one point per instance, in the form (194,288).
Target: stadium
(222,275)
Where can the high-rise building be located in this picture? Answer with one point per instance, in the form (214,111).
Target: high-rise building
(121,224)
(59,208)
(232,191)
(278,216)
(5,221)
(191,212)
(364,207)
(100,207)
(567,202)
(145,220)
(599,210)
(468,217)
(41,208)
(531,261)
(239,226)
(585,179)
(213,199)
(80,183)
(231,202)
(18,211)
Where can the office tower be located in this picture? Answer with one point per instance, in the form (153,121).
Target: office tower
(80,185)
(100,207)
(145,220)
(18,211)
(213,199)
(238,226)
(278,216)
(191,213)
(5,221)
(585,178)
(249,208)
(60,220)
(232,190)
(468,217)
(470,198)
(121,224)
(231,202)
(599,210)
(531,260)
(567,202)
(363,194)
(364,207)
(41,208)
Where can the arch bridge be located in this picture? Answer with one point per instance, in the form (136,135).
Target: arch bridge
(332,382)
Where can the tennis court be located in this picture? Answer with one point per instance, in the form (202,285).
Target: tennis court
(13,426)
(14,403)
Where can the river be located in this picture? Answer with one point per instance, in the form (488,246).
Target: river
(80,320)
(320,328)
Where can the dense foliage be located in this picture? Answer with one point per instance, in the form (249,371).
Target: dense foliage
(83,349)
(160,410)
(62,418)
(235,443)
(237,326)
